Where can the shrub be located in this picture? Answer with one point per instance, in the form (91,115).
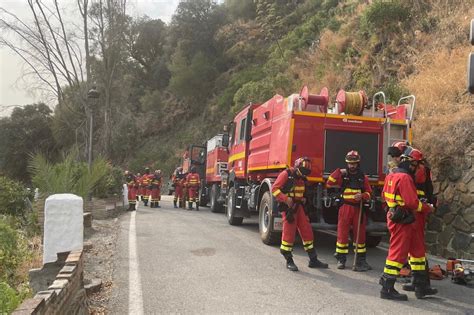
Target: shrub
(8,246)
(12,197)
(384,17)
(9,299)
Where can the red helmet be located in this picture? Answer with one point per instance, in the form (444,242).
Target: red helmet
(303,164)
(352,157)
(412,154)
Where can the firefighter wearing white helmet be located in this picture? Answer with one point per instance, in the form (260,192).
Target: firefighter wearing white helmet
(288,190)
(355,189)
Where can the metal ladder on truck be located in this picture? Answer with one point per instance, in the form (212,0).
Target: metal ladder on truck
(395,130)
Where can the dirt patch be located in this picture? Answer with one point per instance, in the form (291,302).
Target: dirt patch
(99,261)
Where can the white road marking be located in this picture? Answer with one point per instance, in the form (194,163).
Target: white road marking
(135,297)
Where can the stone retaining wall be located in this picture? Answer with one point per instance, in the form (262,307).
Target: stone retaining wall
(65,295)
(450,230)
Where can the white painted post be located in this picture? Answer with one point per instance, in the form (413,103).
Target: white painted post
(125,195)
(63,225)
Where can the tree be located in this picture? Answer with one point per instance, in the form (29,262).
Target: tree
(26,131)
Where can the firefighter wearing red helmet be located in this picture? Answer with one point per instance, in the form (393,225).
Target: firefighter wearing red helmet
(146,183)
(400,195)
(155,183)
(192,183)
(395,152)
(355,189)
(178,179)
(130,179)
(417,253)
(288,189)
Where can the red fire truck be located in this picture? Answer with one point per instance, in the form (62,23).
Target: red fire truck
(266,138)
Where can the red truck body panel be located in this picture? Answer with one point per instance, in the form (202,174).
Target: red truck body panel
(215,161)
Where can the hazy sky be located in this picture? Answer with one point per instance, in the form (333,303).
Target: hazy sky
(13,91)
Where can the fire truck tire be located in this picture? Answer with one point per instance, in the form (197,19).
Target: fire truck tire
(265,221)
(372,241)
(230,211)
(215,206)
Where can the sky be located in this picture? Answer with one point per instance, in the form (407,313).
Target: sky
(14,91)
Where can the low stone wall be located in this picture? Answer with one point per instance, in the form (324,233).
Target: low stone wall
(450,230)
(66,293)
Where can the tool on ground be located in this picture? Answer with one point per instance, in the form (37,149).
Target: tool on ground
(460,274)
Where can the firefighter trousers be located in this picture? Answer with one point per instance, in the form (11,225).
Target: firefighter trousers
(193,194)
(348,217)
(417,250)
(400,242)
(300,223)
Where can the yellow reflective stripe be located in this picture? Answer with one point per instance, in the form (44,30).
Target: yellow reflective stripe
(352,190)
(307,242)
(417,267)
(342,245)
(276,192)
(286,243)
(391,204)
(361,250)
(286,248)
(342,251)
(359,245)
(237,156)
(331,179)
(414,259)
(308,247)
(394,264)
(394,272)
(420,206)
(392,196)
(420,192)
(299,195)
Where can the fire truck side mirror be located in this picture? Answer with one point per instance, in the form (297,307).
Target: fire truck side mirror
(225,140)
(470,73)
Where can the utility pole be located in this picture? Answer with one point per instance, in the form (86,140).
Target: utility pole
(92,98)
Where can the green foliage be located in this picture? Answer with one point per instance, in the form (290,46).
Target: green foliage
(27,130)
(9,299)
(8,255)
(254,92)
(394,91)
(226,99)
(241,9)
(385,17)
(111,184)
(192,80)
(12,197)
(67,176)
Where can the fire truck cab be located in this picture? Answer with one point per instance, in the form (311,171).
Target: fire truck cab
(267,138)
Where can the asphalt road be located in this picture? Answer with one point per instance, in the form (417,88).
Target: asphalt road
(178,261)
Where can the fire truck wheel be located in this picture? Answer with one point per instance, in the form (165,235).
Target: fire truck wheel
(230,211)
(265,221)
(372,241)
(215,206)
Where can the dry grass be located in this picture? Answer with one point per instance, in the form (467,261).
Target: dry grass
(444,115)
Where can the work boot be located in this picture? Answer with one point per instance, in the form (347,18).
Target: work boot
(361,263)
(197,206)
(314,262)
(388,291)
(175,204)
(422,288)
(157,204)
(133,207)
(145,203)
(341,260)
(290,264)
(190,206)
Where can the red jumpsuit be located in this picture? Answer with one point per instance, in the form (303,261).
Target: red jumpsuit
(192,183)
(349,211)
(301,220)
(142,186)
(178,181)
(399,189)
(147,182)
(155,182)
(132,190)
(417,246)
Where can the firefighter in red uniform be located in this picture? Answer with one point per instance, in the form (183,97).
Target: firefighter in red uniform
(155,182)
(288,190)
(400,195)
(138,180)
(146,182)
(132,192)
(192,184)
(395,152)
(178,181)
(417,258)
(355,190)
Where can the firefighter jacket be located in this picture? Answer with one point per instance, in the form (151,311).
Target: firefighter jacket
(147,178)
(424,184)
(178,178)
(131,181)
(155,181)
(399,190)
(288,185)
(351,184)
(193,180)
